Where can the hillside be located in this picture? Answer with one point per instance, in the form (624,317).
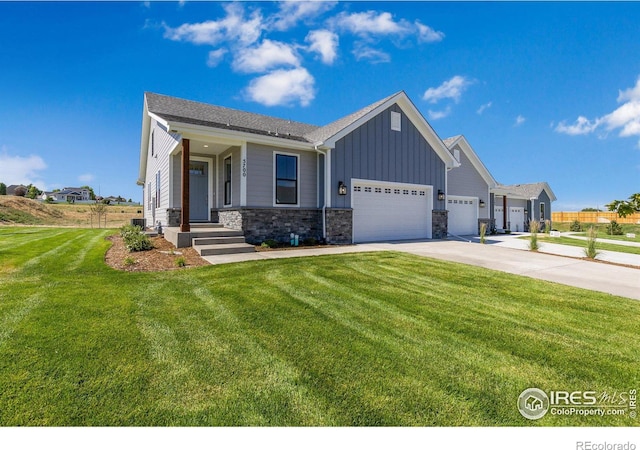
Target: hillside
(24,211)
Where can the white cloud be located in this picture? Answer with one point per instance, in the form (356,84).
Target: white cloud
(625,118)
(21,169)
(291,12)
(371,23)
(582,125)
(484,107)
(435,115)
(519,120)
(452,88)
(215,57)
(374,56)
(267,55)
(283,87)
(234,27)
(428,34)
(86,178)
(325,43)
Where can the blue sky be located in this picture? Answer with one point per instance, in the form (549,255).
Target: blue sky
(542,91)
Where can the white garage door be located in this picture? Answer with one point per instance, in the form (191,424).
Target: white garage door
(498,214)
(463,215)
(390,211)
(516,218)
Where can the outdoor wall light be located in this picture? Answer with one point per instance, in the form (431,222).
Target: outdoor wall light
(440,195)
(482,204)
(342,189)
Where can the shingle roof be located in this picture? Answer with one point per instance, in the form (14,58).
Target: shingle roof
(323,133)
(523,190)
(196,113)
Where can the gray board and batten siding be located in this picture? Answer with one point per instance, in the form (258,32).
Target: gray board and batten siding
(467,181)
(374,152)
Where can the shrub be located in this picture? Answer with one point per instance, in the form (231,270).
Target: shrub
(134,239)
(575,226)
(269,243)
(310,241)
(614,228)
(129,261)
(547,226)
(534,227)
(483,232)
(591,251)
(180,261)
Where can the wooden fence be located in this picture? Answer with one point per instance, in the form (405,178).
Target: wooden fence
(593,217)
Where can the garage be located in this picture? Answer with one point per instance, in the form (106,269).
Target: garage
(463,215)
(390,211)
(516,218)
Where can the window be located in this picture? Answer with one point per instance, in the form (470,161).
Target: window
(396,121)
(542,212)
(158,189)
(227,181)
(286,180)
(153,146)
(196,168)
(149,195)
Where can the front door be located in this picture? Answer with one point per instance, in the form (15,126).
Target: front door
(198,191)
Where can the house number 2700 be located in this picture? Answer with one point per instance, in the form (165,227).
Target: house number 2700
(244,167)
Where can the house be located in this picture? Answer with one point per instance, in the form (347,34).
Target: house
(68,194)
(474,196)
(11,189)
(515,205)
(377,174)
(469,186)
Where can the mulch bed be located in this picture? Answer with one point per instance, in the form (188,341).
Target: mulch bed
(155,260)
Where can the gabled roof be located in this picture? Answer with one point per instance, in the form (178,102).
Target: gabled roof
(173,109)
(525,191)
(477,163)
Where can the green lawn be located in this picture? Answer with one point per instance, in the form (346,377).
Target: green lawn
(360,339)
(601,228)
(580,243)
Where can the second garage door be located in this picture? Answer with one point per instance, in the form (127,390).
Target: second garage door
(390,211)
(463,215)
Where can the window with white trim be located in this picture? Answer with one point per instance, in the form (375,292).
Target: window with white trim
(396,121)
(227,181)
(158,189)
(286,179)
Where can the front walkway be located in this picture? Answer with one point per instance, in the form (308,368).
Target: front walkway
(607,278)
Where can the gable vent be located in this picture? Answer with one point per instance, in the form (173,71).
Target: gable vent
(396,123)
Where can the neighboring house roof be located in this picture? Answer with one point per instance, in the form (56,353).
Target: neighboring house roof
(525,191)
(464,145)
(11,189)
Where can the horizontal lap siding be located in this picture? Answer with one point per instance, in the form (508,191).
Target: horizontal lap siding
(465,180)
(374,152)
(260,176)
(163,144)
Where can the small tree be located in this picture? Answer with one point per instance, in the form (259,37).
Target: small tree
(99,209)
(575,226)
(625,208)
(3,189)
(33,192)
(614,228)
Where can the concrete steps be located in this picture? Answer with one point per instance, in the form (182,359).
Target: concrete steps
(213,239)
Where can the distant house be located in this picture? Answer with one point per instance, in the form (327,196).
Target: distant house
(68,194)
(516,204)
(11,190)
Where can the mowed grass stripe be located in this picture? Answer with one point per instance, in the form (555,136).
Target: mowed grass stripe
(79,258)
(11,238)
(9,320)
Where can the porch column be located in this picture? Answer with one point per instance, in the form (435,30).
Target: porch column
(184,206)
(504,212)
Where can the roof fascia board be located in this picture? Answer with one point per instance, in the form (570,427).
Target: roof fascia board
(159,119)
(144,143)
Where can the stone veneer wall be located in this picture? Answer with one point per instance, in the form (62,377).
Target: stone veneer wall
(439,225)
(260,224)
(173,217)
(339,225)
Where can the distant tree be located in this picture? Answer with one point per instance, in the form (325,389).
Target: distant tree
(56,190)
(49,199)
(3,189)
(130,201)
(92,195)
(32,192)
(625,208)
(20,191)
(591,210)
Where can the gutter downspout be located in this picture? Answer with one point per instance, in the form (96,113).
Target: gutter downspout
(324,205)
